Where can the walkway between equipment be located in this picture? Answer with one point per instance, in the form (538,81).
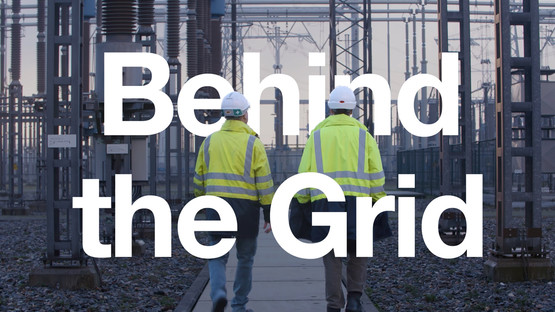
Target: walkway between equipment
(281,282)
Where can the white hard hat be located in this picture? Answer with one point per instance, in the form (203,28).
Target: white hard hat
(234,104)
(342,97)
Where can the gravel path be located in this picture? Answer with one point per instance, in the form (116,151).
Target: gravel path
(429,283)
(129,284)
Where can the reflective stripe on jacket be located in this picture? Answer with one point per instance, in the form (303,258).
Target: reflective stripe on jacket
(342,148)
(232,163)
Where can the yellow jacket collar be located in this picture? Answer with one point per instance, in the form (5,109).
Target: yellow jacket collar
(340,120)
(237,126)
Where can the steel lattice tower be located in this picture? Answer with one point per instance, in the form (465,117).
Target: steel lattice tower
(350,40)
(63,124)
(456,152)
(518,253)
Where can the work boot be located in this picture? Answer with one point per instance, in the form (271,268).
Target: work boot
(353,302)
(333,310)
(219,305)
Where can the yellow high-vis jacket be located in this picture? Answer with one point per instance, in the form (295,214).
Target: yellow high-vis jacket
(343,149)
(232,163)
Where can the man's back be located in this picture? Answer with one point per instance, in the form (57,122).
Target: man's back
(232,164)
(229,147)
(342,148)
(339,145)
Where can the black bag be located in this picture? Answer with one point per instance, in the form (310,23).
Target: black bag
(300,219)
(381,227)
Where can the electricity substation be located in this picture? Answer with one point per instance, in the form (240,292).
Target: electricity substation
(53,132)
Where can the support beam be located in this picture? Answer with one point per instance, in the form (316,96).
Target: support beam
(456,152)
(15,120)
(174,133)
(63,104)
(146,36)
(347,18)
(518,253)
(3,100)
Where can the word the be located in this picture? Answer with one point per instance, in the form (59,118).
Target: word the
(336,239)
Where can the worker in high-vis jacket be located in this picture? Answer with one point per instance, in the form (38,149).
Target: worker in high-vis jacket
(232,164)
(343,149)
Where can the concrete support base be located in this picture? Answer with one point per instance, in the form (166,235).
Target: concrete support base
(14,211)
(138,247)
(452,239)
(501,269)
(37,206)
(146,233)
(65,278)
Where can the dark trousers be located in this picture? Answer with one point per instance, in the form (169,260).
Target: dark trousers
(356,277)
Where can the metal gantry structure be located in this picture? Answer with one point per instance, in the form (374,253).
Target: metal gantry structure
(233,49)
(63,130)
(15,111)
(174,134)
(3,108)
(22,149)
(148,39)
(350,41)
(526,67)
(456,152)
(40,126)
(518,253)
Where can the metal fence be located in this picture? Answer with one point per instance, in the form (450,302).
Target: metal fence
(483,154)
(424,164)
(33,172)
(284,163)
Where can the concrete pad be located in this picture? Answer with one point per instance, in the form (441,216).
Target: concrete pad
(15,211)
(37,205)
(138,248)
(146,233)
(65,278)
(4,218)
(513,270)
